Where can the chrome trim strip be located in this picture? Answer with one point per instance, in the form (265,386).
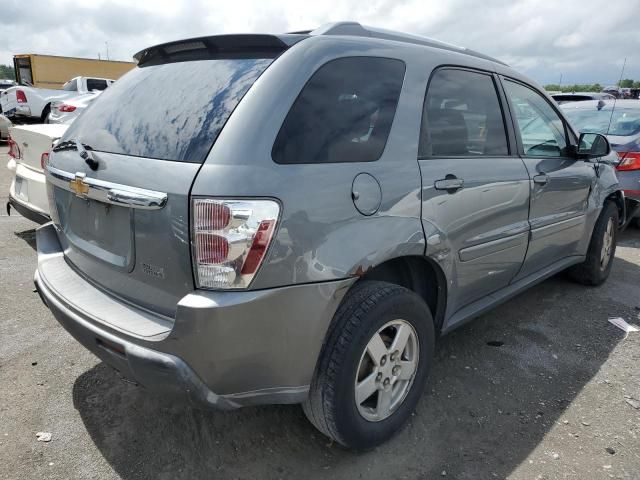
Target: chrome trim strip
(107,192)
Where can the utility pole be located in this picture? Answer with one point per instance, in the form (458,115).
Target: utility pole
(107,44)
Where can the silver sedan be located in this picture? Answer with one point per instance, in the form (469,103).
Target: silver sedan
(68,110)
(619,120)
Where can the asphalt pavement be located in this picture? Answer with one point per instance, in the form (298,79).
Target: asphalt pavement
(542,387)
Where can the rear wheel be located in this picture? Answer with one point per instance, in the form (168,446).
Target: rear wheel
(373,367)
(602,248)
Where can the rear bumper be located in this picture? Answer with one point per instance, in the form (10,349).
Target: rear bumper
(223,349)
(28,211)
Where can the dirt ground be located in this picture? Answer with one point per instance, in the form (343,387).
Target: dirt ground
(554,401)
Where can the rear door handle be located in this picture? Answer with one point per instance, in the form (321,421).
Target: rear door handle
(541,179)
(450,184)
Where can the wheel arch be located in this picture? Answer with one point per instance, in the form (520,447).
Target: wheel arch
(45,110)
(618,198)
(418,274)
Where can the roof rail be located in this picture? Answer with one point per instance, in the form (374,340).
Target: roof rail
(358,30)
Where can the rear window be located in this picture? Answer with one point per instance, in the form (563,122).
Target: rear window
(622,122)
(95,84)
(343,114)
(168,112)
(560,99)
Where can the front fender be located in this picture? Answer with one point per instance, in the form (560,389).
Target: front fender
(608,187)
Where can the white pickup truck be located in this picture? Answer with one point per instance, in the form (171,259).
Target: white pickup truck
(35,103)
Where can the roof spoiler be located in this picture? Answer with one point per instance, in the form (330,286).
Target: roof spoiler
(215,47)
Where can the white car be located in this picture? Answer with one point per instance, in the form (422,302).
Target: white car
(35,103)
(5,124)
(68,110)
(29,147)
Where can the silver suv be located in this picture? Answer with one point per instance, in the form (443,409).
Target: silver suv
(298,217)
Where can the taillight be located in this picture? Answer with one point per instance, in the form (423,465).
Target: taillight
(230,239)
(20,96)
(66,108)
(44,159)
(629,161)
(14,151)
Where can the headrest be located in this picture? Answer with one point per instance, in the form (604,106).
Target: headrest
(448,132)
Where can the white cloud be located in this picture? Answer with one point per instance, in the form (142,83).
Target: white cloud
(583,40)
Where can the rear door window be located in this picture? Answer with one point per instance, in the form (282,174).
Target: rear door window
(173,111)
(462,116)
(343,114)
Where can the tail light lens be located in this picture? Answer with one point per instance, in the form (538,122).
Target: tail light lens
(629,161)
(230,239)
(44,159)
(66,108)
(14,151)
(20,96)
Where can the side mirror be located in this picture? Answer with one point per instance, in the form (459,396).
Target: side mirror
(592,145)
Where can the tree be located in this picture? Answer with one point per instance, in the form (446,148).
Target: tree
(626,83)
(6,71)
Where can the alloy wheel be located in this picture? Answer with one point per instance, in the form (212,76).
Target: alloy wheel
(387,369)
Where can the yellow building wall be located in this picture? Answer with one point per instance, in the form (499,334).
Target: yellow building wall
(53,72)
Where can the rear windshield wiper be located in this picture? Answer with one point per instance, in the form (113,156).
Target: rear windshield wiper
(72,145)
(83,151)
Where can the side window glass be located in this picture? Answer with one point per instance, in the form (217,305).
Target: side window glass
(462,116)
(541,129)
(343,114)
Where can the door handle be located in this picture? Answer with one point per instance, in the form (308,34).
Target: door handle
(450,184)
(541,179)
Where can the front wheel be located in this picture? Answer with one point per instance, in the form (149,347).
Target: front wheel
(602,248)
(373,366)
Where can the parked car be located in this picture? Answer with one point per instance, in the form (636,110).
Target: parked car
(35,103)
(620,122)
(561,98)
(612,90)
(296,223)
(29,147)
(67,111)
(5,124)
(6,83)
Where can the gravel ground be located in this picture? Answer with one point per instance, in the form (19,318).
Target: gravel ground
(554,400)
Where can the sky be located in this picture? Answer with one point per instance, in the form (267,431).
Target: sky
(584,41)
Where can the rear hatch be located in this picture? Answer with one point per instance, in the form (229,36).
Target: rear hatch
(125,224)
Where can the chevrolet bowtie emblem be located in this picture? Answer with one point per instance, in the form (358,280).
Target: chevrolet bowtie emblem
(78,185)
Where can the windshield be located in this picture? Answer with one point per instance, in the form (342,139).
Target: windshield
(173,111)
(624,122)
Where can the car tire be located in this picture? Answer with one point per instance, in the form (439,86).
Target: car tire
(369,310)
(602,249)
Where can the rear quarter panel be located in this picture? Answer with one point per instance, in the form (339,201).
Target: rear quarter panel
(321,235)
